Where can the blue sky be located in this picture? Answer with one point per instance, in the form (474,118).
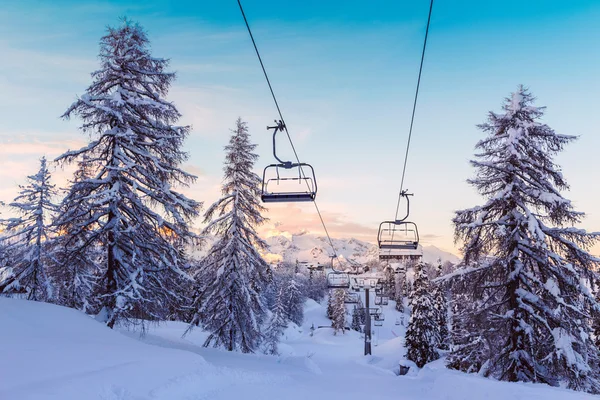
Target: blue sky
(344,73)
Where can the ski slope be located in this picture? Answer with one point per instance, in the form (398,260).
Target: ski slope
(51,352)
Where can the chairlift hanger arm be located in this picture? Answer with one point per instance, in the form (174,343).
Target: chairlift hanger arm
(280,126)
(404,193)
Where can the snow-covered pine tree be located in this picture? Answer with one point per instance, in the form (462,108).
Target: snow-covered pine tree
(596,327)
(5,259)
(400,280)
(362,311)
(356,319)
(76,266)
(294,301)
(423,332)
(316,286)
(330,301)
(26,238)
(137,218)
(533,292)
(232,308)
(441,313)
(338,320)
(441,308)
(471,335)
(389,281)
(277,325)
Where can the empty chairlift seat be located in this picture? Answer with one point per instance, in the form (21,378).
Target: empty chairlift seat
(338,280)
(288,182)
(398,235)
(381,300)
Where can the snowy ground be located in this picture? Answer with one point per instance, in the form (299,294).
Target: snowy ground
(50,352)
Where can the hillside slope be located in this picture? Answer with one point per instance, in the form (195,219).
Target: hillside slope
(50,352)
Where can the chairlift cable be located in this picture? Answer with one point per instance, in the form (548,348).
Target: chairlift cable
(284,124)
(412,118)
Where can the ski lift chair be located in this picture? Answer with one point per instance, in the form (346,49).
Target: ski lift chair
(298,187)
(338,280)
(398,235)
(381,300)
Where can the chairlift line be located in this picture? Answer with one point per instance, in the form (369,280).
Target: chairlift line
(397,225)
(311,191)
(414,109)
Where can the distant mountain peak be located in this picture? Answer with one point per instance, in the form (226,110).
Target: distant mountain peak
(304,246)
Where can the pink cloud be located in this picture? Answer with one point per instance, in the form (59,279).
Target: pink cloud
(296,218)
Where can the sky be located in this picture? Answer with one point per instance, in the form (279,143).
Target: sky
(344,73)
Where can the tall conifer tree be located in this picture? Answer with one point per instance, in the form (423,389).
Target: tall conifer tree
(232,308)
(136,215)
(534,305)
(27,237)
(423,332)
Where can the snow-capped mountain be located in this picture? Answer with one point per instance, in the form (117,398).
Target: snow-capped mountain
(316,249)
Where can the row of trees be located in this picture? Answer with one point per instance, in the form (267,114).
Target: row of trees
(117,244)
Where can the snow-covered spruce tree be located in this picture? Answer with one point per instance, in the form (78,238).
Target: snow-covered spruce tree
(389,281)
(423,332)
(277,325)
(294,301)
(137,217)
(595,313)
(5,258)
(440,305)
(232,308)
(533,292)
(400,280)
(316,288)
(441,313)
(596,328)
(26,238)
(356,319)
(472,334)
(330,301)
(76,266)
(338,320)
(362,311)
